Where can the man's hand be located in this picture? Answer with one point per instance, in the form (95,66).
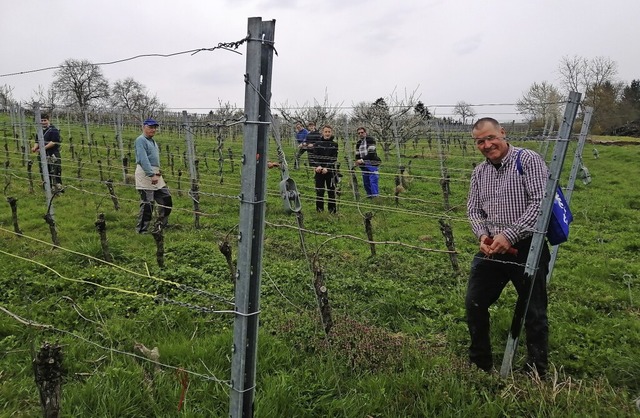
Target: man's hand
(35,148)
(318,169)
(359,162)
(484,247)
(496,245)
(154,179)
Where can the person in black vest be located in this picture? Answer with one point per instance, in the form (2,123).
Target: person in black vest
(368,161)
(52,150)
(323,155)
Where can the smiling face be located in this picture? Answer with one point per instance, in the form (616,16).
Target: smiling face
(327,132)
(491,141)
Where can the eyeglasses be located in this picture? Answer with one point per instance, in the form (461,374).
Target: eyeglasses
(481,141)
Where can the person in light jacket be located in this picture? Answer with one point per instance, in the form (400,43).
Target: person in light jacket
(149,181)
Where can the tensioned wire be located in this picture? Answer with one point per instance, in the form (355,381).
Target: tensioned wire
(46,327)
(273,193)
(129,271)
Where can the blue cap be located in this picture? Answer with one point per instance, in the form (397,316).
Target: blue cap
(150,122)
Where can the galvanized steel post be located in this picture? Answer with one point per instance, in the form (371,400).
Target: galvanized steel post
(252,210)
(537,242)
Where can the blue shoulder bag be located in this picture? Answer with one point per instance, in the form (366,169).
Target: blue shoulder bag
(561,217)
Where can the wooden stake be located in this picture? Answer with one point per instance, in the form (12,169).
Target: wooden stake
(47,367)
(101,227)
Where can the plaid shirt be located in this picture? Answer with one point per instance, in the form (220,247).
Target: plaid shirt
(503,201)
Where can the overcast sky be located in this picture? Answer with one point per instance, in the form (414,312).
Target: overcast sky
(351,50)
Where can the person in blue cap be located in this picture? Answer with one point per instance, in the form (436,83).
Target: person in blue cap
(149,181)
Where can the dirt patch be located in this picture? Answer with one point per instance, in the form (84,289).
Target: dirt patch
(617,143)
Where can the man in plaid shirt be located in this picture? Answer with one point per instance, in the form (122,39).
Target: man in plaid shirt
(503,205)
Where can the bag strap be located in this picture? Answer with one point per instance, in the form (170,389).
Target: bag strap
(519,162)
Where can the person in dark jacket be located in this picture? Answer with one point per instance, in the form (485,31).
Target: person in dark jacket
(52,150)
(368,161)
(323,156)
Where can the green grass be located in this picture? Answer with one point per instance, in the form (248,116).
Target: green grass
(398,346)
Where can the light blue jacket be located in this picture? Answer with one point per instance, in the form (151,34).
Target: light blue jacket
(147,154)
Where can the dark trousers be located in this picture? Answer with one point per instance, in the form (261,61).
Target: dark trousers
(299,152)
(147,197)
(54,166)
(487,279)
(325,182)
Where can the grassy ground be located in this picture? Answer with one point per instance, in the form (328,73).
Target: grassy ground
(398,345)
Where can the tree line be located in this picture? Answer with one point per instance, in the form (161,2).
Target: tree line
(616,104)
(81,85)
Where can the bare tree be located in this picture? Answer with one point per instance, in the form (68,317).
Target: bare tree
(600,80)
(573,72)
(135,98)
(540,102)
(464,110)
(226,112)
(587,76)
(6,96)
(80,83)
(595,78)
(48,98)
(601,70)
(392,120)
(321,113)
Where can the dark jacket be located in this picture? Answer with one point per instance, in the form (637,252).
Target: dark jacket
(370,155)
(51,134)
(313,136)
(324,153)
